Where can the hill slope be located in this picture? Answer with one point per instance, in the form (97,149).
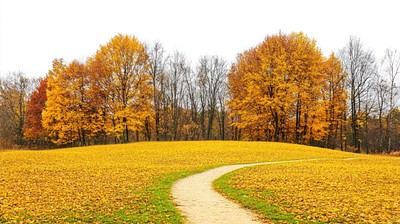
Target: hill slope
(117,183)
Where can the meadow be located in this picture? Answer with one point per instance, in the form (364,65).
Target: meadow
(361,190)
(132,182)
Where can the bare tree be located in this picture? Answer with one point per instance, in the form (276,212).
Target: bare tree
(192,97)
(158,62)
(381,89)
(211,75)
(222,112)
(360,67)
(368,106)
(390,66)
(177,70)
(202,75)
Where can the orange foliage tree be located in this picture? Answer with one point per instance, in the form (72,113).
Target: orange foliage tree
(278,91)
(33,128)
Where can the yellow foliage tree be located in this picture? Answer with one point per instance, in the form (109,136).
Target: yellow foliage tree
(56,114)
(67,114)
(121,86)
(335,96)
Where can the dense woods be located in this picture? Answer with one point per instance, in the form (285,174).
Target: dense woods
(283,89)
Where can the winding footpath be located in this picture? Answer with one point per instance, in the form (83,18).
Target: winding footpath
(199,203)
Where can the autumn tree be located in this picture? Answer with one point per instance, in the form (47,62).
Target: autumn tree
(33,128)
(304,66)
(14,93)
(68,116)
(55,118)
(247,116)
(335,96)
(121,86)
(278,89)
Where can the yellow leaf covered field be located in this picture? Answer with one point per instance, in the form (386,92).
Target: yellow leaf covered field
(131,182)
(361,190)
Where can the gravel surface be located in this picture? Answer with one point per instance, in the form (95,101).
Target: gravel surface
(199,203)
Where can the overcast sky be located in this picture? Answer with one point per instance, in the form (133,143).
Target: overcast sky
(34,32)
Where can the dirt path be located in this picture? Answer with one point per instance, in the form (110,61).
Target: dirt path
(199,203)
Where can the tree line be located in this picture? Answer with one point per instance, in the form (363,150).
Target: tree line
(283,89)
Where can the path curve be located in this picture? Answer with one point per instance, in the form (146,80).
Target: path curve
(199,203)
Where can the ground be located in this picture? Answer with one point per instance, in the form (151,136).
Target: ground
(121,183)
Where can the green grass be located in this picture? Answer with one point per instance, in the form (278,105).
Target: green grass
(269,212)
(160,206)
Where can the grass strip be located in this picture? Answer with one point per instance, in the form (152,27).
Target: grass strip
(265,210)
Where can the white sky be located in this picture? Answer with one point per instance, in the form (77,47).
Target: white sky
(34,32)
